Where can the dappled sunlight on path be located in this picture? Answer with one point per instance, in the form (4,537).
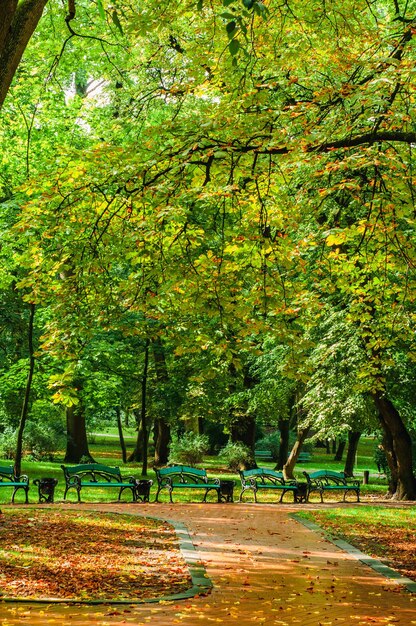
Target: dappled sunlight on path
(266,568)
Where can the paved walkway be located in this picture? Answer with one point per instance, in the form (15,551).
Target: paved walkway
(266,568)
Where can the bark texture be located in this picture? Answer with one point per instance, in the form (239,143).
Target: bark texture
(392,423)
(18,22)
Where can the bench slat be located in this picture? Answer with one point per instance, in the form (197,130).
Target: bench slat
(185,477)
(263,478)
(96,475)
(328,480)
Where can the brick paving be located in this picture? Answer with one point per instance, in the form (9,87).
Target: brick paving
(265,568)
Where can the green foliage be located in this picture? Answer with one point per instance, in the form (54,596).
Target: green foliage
(236,455)
(8,443)
(270,442)
(42,439)
(188,449)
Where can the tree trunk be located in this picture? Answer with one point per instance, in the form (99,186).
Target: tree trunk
(402,447)
(391,460)
(145,429)
(289,466)
(340,450)
(121,436)
(353,439)
(137,455)
(76,435)
(244,430)
(18,22)
(25,407)
(162,441)
(162,428)
(284,428)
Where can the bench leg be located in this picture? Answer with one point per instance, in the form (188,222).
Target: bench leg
(133,493)
(16,489)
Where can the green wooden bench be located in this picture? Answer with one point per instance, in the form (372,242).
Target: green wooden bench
(304,457)
(184,477)
(93,475)
(263,455)
(262,478)
(328,481)
(9,479)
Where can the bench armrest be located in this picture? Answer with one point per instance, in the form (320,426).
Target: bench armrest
(73,479)
(215,481)
(23,478)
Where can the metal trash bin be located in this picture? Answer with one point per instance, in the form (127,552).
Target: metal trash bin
(226,490)
(46,488)
(301,494)
(142,490)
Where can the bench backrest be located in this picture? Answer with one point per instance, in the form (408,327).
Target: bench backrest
(259,472)
(326,476)
(94,470)
(182,472)
(7,473)
(262,475)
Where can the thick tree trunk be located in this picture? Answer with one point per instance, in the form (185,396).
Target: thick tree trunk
(76,435)
(353,439)
(402,447)
(289,466)
(25,407)
(340,450)
(391,459)
(244,430)
(18,22)
(284,428)
(162,441)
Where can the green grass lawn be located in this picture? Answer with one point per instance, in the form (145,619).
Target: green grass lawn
(384,532)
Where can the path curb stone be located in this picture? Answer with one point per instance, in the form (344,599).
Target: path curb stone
(379,567)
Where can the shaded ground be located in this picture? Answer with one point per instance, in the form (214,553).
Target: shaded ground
(88,556)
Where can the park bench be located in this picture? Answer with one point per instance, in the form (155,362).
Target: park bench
(329,481)
(263,455)
(96,475)
(304,457)
(184,477)
(9,479)
(262,478)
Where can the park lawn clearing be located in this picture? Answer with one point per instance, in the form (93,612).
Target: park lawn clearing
(385,533)
(85,556)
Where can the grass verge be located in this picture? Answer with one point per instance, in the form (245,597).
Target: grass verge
(384,532)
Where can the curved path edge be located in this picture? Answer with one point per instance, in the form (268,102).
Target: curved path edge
(384,570)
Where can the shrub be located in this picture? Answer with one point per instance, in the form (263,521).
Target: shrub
(270,442)
(237,456)
(43,440)
(8,443)
(189,449)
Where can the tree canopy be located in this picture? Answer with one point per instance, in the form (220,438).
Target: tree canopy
(216,176)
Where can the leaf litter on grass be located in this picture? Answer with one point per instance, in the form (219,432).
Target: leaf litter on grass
(388,534)
(81,556)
